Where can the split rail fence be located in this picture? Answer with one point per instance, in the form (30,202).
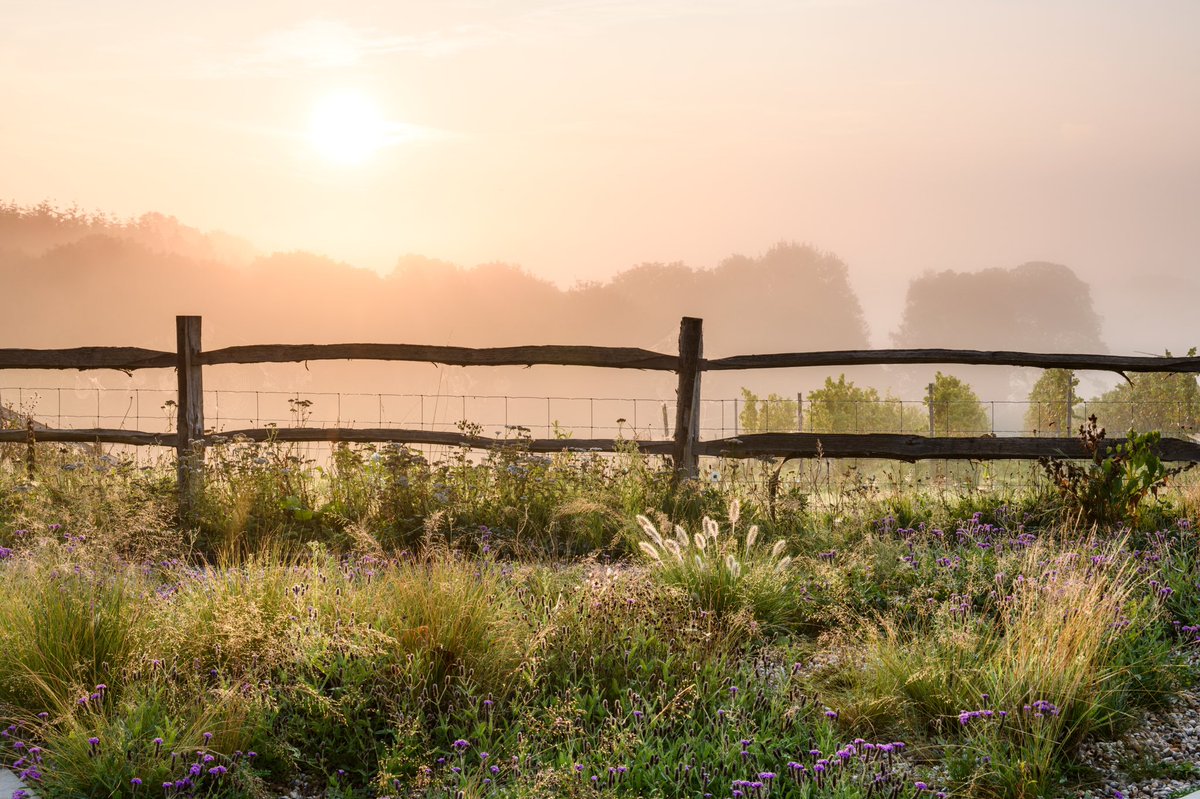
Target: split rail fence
(685,448)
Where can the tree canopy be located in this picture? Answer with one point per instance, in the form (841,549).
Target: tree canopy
(1048,403)
(1158,401)
(956,408)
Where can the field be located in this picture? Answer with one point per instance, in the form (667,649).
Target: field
(575,625)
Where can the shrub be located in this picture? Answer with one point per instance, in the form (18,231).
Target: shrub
(1112,488)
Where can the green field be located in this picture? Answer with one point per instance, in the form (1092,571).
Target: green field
(387,626)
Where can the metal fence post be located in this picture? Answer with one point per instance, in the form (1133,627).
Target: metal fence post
(930,402)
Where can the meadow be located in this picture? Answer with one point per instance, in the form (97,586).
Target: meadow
(520,625)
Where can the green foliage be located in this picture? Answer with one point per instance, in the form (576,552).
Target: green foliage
(1047,413)
(956,408)
(359,644)
(842,407)
(1119,478)
(723,574)
(771,415)
(1161,401)
(64,628)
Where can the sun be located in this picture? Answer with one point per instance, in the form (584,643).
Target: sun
(347,128)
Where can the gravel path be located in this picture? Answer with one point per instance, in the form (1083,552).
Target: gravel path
(1159,757)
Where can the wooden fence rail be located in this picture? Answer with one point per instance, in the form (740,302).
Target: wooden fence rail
(689,364)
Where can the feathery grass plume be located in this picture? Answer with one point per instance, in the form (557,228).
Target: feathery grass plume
(674,548)
(783,563)
(700,542)
(649,529)
(751,537)
(711,529)
(777,550)
(682,536)
(735,513)
(649,549)
(735,568)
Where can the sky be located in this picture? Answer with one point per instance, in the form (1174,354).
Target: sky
(580,137)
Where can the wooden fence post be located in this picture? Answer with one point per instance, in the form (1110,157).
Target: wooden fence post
(687,404)
(189,448)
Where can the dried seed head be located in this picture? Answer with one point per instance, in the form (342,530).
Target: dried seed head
(649,529)
(751,536)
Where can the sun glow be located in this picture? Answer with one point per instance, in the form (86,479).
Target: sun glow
(347,128)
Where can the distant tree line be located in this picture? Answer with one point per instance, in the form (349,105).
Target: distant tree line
(1168,403)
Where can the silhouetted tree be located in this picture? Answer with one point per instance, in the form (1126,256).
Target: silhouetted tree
(1036,306)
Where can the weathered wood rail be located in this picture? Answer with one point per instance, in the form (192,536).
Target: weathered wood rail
(688,364)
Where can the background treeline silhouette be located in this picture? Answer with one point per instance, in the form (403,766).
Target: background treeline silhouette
(72,278)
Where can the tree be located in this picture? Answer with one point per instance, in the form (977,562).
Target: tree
(1159,401)
(771,415)
(842,407)
(956,408)
(1036,306)
(1047,413)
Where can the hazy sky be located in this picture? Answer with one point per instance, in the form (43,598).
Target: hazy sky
(578,138)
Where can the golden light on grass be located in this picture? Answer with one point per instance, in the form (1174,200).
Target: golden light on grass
(347,128)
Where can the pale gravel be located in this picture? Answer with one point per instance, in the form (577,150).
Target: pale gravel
(1167,739)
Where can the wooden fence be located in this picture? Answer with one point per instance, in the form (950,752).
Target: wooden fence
(688,364)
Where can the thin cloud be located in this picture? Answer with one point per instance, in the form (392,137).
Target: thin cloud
(324,44)
(330,44)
